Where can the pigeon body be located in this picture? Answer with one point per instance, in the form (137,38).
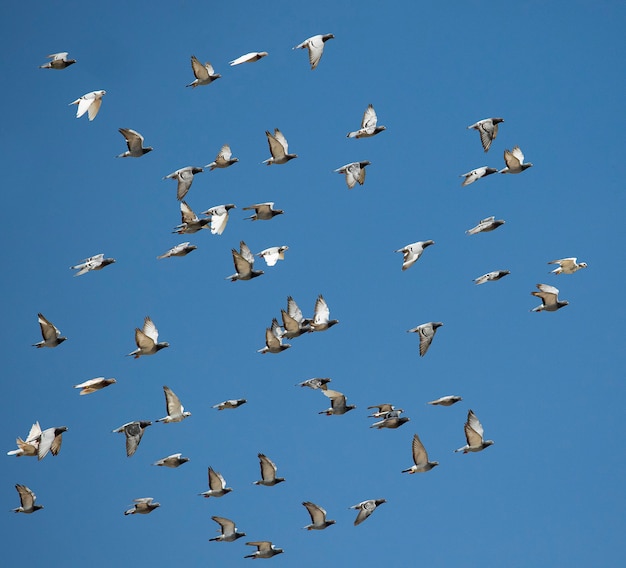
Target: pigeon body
(567,265)
(142,506)
(232,403)
(51,335)
(182,249)
(204,74)
(491,276)
(474,435)
(173,461)
(265,549)
(420,458)
(514,160)
(175,410)
(134,141)
(27,500)
(383,410)
(244,264)
(184,177)
(268,472)
(219,217)
(315,383)
(426,333)
(147,340)
(354,172)
(321,315)
(315,45)
(488,130)
(411,253)
(391,420)
(96,262)
(318,517)
(369,125)
(50,440)
(549,299)
(217,485)
(133,432)
(272,255)
(263,211)
(224,159)
(248,58)
(279,148)
(58,61)
(89,103)
(338,404)
(366,508)
(485,225)
(228,530)
(273,339)
(474,175)
(446,400)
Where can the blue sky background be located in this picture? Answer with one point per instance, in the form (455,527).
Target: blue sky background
(547,387)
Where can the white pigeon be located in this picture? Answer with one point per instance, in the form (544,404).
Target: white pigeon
(354,172)
(27,500)
(474,435)
(219,217)
(133,432)
(173,461)
(279,148)
(50,440)
(420,458)
(134,141)
(93,385)
(268,472)
(30,446)
(231,403)
(58,61)
(485,225)
(491,276)
(224,159)
(217,485)
(273,339)
(190,223)
(549,299)
(244,264)
(321,315)
(448,400)
(315,45)
(89,103)
(488,130)
(147,340)
(184,177)
(272,255)
(514,160)
(204,74)
(366,508)
(411,253)
(265,549)
(426,332)
(142,506)
(567,265)
(175,410)
(248,58)
(338,404)
(51,335)
(96,262)
(263,211)
(227,529)
(368,125)
(182,249)
(474,175)
(318,517)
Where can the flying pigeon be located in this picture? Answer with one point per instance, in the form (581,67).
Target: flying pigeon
(273,339)
(567,265)
(175,460)
(315,45)
(294,322)
(485,225)
(446,400)
(392,419)
(514,160)
(223,159)
(426,332)
(263,211)
(383,410)
(89,103)
(147,340)
(182,249)
(337,403)
(27,500)
(142,506)
(244,263)
(474,435)
(549,299)
(189,221)
(30,446)
(321,321)
(219,217)
(474,175)
(411,253)
(185,179)
(134,141)
(268,472)
(488,130)
(96,262)
(50,440)
(420,458)
(204,74)
(265,549)
(315,383)
(354,172)
(318,517)
(175,410)
(58,61)
(232,403)
(366,508)
(273,254)
(248,58)
(217,485)
(491,276)
(51,335)
(279,148)
(368,125)
(227,529)
(133,432)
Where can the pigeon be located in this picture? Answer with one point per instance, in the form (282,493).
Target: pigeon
(426,332)
(30,446)
(315,383)
(318,517)
(446,400)
(175,460)
(474,175)
(175,410)
(354,172)
(391,420)
(366,508)
(315,45)
(474,435)
(491,276)
(420,458)
(219,217)
(58,61)
(321,321)
(50,440)
(263,211)
(227,529)
(189,221)
(567,265)
(217,485)
(514,160)
(96,262)
(185,179)
(27,500)
(383,410)
(223,159)
(549,299)
(294,322)
(411,253)
(51,335)
(488,130)
(182,249)
(147,340)
(265,549)
(134,141)
(273,254)
(232,403)
(268,472)
(248,58)
(142,506)
(337,403)
(279,148)
(368,125)
(244,264)
(89,103)
(204,74)
(133,432)
(485,225)
(273,339)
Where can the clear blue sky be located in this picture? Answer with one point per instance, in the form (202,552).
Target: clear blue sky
(547,387)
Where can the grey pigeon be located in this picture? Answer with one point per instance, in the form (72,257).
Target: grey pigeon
(265,549)
(426,333)
(474,435)
(369,125)
(50,440)
(89,103)
(173,461)
(248,58)
(184,177)
(485,225)
(30,446)
(549,299)
(268,472)
(383,410)
(476,174)
(133,432)
(189,221)
(491,276)
(273,339)
(217,485)
(318,517)
(567,265)
(272,255)
(294,323)
(142,506)
(315,383)
(58,61)
(321,316)
(514,160)
(391,420)
(279,148)
(224,159)
(175,410)
(366,508)
(446,400)
(227,529)
(182,249)
(338,404)
(219,217)
(27,500)
(488,130)
(134,141)
(147,340)
(96,262)
(420,458)
(411,253)
(354,172)
(315,45)
(204,74)
(231,403)
(244,264)
(263,211)
(51,335)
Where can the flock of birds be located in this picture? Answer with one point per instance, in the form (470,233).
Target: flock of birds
(294,324)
